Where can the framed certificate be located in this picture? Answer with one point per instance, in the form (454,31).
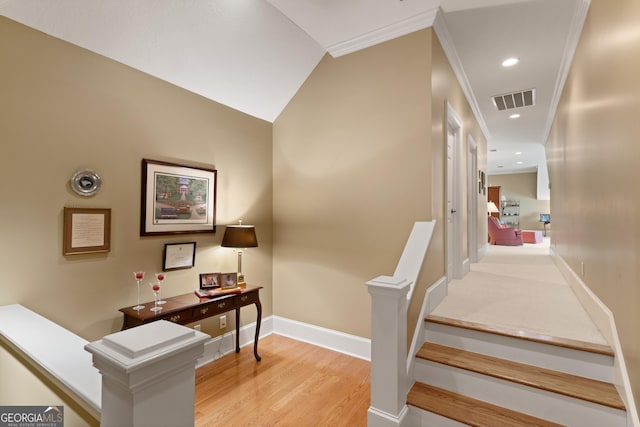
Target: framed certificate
(86,231)
(178,256)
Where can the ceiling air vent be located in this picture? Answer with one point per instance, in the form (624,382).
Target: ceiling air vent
(508,101)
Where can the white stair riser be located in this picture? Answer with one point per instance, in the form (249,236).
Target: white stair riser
(576,362)
(532,401)
(420,418)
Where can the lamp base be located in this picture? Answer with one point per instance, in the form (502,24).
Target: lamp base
(241,283)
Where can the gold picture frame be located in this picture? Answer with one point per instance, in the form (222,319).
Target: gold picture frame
(86,231)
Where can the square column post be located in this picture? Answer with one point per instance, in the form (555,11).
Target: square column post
(148,375)
(388,351)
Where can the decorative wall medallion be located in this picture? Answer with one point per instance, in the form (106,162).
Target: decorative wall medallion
(86,182)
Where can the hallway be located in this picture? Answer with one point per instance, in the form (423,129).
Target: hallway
(519,288)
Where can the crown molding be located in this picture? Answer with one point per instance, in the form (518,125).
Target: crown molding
(575,31)
(371,38)
(442,31)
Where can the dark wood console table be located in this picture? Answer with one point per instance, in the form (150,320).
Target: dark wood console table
(189,308)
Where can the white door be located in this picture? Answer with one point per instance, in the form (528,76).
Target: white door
(453,228)
(451,208)
(472,200)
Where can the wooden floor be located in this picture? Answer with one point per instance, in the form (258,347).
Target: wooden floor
(296,384)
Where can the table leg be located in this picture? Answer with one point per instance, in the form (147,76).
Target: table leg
(237,330)
(258,321)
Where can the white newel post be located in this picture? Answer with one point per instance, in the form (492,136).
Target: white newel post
(148,375)
(388,351)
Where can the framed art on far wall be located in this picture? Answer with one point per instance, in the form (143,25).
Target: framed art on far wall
(177,199)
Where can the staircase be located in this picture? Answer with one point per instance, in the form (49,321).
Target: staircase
(473,374)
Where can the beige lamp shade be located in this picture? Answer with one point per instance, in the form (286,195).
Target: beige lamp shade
(492,208)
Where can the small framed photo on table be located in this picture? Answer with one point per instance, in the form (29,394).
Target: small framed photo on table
(209,280)
(229,280)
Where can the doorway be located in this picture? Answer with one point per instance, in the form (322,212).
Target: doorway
(472,198)
(453,200)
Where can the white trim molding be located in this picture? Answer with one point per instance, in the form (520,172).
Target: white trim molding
(398,29)
(442,31)
(351,345)
(341,342)
(604,320)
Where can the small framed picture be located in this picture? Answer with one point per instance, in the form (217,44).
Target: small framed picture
(209,280)
(229,280)
(178,256)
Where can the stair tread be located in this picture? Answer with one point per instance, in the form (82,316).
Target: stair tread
(587,389)
(524,335)
(467,410)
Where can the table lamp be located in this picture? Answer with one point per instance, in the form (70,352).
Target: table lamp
(240,237)
(492,208)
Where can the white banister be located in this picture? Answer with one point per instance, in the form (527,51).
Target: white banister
(55,352)
(390,298)
(414,252)
(388,351)
(148,375)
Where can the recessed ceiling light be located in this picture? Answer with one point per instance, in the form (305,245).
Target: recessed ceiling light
(518,153)
(514,116)
(509,62)
(519,163)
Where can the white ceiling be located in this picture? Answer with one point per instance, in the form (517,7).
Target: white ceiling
(253,55)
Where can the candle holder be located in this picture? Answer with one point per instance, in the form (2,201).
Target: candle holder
(155,287)
(139,275)
(160,277)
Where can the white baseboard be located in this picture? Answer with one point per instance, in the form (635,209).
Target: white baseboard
(224,344)
(322,337)
(605,322)
(466,267)
(483,251)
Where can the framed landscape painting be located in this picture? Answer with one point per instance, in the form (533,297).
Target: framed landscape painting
(177,199)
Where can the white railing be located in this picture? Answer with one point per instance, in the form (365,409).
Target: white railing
(55,352)
(390,296)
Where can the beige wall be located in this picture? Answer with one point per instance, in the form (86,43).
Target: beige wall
(63,108)
(352,158)
(358,159)
(593,155)
(523,187)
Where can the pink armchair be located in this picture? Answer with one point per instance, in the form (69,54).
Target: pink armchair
(502,235)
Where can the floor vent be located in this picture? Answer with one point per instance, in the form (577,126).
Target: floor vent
(508,101)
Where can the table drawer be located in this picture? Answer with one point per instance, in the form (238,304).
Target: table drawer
(245,299)
(211,309)
(181,317)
